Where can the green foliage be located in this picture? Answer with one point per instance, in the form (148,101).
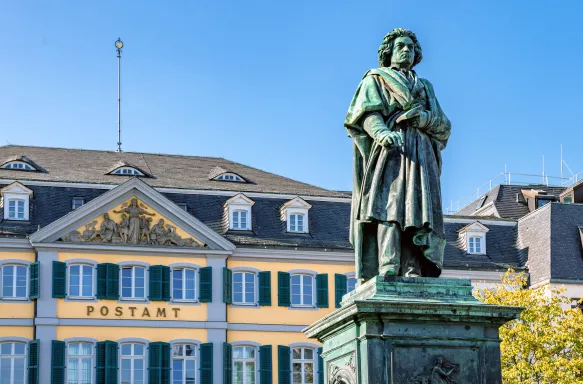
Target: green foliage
(544,345)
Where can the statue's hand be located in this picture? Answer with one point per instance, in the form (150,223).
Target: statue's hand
(392,139)
(417,117)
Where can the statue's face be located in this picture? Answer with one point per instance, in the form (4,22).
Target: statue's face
(106,216)
(403,54)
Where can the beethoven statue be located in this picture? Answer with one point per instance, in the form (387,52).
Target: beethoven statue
(399,131)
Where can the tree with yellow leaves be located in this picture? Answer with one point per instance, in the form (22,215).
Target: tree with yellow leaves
(545,344)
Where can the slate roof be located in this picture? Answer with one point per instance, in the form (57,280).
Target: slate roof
(504,198)
(170,171)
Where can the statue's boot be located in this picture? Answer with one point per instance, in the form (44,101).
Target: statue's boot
(389,248)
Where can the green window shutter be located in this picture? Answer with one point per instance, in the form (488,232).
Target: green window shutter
(265,288)
(265,365)
(156,283)
(34,288)
(322,290)
(108,281)
(227,286)
(33,364)
(101,281)
(57,362)
(283,287)
(283,365)
(106,362)
(206,363)
(227,363)
(112,291)
(320,367)
(165,283)
(339,288)
(159,363)
(59,279)
(205,279)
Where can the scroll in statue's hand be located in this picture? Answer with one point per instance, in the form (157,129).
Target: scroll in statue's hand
(417,117)
(392,139)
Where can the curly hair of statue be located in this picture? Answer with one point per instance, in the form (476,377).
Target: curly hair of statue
(386,49)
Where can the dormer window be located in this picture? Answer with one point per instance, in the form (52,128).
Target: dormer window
(16,201)
(18,165)
(474,236)
(127,171)
(239,212)
(295,214)
(230,177)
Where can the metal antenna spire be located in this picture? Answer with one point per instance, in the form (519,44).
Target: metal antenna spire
(119,46)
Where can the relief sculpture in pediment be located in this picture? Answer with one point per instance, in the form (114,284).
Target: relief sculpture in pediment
(134,227)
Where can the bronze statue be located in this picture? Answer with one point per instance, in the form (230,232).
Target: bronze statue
(399,131)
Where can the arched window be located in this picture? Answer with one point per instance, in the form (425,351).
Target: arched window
(183,284)
(12,362)
(80,281)
(230,177)
(129,171)
(14,282)
(20,165)
(133,282)
(133,363)
(183,363)
(240,219)
(303,363)
(80,363)
(296,222)
(244,288)
(244,363)
(302,290)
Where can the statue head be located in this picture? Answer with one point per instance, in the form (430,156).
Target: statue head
(134,202)
(161,222)
(400,48)
(106,216)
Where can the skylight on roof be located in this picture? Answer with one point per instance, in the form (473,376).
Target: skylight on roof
(127,171)
(230,177)
(19,165)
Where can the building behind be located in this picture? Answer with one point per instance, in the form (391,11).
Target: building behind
(135,267)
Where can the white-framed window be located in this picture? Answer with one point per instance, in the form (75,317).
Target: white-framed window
(244,287)
(296,213)
(239,212)
(133,363)
(475,245)
(16,200)
(133,283)
(77,202)
(127,171)
(296,222)
(240,219)
(302,290)
(14,282)
(12,362)
(303,363)
(350,283)
(16,209)
(183,284)
(80,363)
(80,281)
(244,363)
(230,177)
(183,364)
(21,165)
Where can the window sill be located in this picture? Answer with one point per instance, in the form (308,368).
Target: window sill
(16,299)
(80,298)
(133,300)
(303,308)
(245,305)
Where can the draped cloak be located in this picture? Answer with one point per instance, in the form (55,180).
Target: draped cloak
(398,185)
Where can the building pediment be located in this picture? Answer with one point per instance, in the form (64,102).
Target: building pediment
(132,214)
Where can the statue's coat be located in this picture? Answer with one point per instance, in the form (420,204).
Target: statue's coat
(399,185)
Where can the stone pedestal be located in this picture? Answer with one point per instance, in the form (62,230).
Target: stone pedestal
(412,331)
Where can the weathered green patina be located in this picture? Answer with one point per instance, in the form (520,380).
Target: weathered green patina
(399,131)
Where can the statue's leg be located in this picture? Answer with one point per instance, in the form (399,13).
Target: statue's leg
(389,248)
(411,254)
(366,251)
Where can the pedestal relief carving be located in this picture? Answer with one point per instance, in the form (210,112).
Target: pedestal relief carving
(134,227)
(343,374)
(441,372)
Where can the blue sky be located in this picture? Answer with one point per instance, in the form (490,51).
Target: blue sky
(267,83)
